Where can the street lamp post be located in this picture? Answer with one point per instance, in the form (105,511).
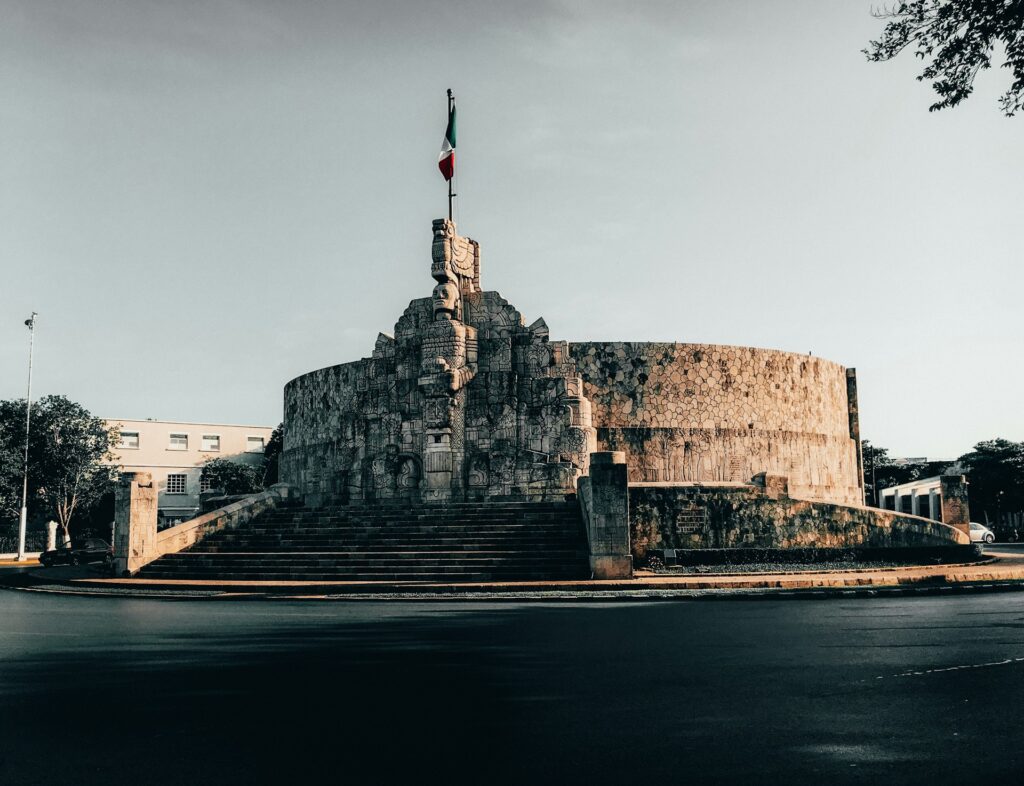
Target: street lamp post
(22,524)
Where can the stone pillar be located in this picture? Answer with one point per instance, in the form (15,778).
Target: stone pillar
(135,512)
(853,407)
(608,519)
(955,511)
(934,505)
(51,535)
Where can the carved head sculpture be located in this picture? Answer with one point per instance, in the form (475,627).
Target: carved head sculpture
(446,301)
(455,258)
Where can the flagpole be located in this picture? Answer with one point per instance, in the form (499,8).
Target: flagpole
(451,194)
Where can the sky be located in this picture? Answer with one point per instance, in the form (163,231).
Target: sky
(204,200)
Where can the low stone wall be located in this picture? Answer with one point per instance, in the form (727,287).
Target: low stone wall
(188,533)
(727,516)
(136,540)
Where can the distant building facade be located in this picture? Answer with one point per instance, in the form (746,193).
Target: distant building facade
(922,497)
(174,452)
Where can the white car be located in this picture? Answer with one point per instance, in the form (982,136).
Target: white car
(981,534)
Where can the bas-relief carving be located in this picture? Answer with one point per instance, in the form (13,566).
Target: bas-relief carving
(463,401)
(467,401)
(698,413)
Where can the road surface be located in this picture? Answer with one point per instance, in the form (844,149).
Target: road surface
(896,690)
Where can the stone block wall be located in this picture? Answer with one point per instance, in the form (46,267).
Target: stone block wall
(687,413)
(738,515)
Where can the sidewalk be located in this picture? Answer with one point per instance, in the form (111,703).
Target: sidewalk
(10,556)
(1001,569)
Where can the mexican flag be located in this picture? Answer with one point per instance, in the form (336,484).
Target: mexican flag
(446,160)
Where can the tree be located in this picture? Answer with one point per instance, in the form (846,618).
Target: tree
(995,472)
(957,38)
(11,459)
(233,477)
(881,471)
(272,456)
(68,454)
(876,463)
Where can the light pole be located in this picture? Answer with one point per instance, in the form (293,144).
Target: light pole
(31,323)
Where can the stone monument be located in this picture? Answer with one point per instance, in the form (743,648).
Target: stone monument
(463,402)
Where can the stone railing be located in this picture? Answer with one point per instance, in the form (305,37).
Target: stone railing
(764,516)
(137,542)
(630,520)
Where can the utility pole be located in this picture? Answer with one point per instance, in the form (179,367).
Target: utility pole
(23,522)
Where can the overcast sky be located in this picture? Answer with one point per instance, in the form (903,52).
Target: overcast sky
(206,199)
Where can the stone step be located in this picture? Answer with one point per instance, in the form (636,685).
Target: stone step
(357,569)
(341,557)
(458,542)
(384,543)
(444,576)
(401,530)
(473,509)
(419,512)
(411,527)
(422,521)
(314,544)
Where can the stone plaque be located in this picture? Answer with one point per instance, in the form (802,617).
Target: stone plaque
(691,520)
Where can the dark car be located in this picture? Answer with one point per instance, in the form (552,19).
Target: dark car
(82,552)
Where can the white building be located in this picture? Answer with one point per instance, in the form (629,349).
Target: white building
(174,452)
(918,498)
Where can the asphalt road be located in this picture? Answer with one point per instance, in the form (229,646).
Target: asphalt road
(902,690)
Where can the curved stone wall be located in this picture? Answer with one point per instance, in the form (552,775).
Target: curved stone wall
(743,516)
(687,413)
(322,420)
(466,402)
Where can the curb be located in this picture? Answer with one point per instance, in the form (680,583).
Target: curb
(792,587)
(583,596)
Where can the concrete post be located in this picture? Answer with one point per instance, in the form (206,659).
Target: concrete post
(51,535)
(135,513)
(955,511)
(608,519)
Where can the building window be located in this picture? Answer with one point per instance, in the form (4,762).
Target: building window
(211,442)
(254,445)
(129,440)
(205,484)
(178,442)
(176,484)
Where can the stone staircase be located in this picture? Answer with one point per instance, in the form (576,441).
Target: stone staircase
(459,542)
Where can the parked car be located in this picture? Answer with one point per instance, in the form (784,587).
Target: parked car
(981,534)
(82,552)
